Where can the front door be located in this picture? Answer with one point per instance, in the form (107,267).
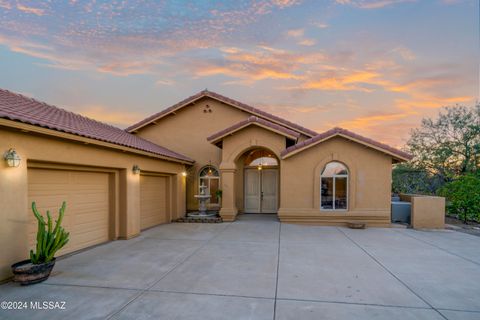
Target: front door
(261,190)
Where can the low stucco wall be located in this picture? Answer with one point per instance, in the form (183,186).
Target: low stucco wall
(40,150)
(428,212)
(369,185)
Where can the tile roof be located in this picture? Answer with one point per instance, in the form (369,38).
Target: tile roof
(249,121)
(347,134)
(16,107)
(221,98)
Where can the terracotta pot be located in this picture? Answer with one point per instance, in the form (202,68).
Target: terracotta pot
(356,225)
(25,272)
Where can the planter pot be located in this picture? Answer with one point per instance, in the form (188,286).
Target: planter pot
(356,225)
(27,273)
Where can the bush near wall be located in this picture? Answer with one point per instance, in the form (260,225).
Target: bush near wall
(463,197)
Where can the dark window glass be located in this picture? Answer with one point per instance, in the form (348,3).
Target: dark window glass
(340,193)
(327,193)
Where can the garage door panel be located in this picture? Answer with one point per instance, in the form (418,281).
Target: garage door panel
(153,201)
(87,197)
(52,176)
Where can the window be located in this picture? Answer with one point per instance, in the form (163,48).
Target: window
(334,187)
(260,158)
(210,177)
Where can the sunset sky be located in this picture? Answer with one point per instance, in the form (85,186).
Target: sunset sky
(375,67)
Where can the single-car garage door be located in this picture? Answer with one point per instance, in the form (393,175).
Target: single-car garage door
(87,197)
(153,201)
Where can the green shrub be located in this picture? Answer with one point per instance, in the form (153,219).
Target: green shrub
(463,197)
(49,239)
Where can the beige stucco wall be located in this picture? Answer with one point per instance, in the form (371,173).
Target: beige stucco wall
(369,184)
(44,151)
(186,132)
(428,212)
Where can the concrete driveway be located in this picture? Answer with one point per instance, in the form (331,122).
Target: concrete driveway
(257,268)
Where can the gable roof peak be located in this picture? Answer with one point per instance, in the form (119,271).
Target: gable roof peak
(253,120)
(221,98)
(338,131)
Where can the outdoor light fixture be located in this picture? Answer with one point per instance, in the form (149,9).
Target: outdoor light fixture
(184,174)
(12,158)
(136,169)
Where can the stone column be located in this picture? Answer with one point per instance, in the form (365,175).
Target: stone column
(229,209)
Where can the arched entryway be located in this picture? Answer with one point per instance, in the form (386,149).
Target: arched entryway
(260,181)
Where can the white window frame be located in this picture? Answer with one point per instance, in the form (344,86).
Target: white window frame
(334,176)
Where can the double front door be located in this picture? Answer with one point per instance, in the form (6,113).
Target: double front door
(261,190)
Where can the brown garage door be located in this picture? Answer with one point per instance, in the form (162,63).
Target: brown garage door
(87,197)
(153,201)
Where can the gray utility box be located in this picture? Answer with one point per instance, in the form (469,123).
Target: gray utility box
(401,211)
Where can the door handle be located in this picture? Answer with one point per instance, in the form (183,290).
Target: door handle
(261,195)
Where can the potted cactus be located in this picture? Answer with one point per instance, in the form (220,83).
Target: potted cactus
(50,239)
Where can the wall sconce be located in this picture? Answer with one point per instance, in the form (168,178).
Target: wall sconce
(184,173)
(136,169)
(12,158)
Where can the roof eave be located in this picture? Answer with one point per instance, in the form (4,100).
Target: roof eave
(395,156)
(15,124)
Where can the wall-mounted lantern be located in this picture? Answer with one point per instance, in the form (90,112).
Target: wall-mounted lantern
(184,173)
(12,158)
(136,169)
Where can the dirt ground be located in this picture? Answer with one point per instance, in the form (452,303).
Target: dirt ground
(458,225)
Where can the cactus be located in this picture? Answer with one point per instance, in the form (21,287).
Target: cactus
(48,241)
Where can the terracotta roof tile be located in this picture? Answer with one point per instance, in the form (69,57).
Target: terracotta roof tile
(340,131)
(253,120)
(219,97)
(16,107)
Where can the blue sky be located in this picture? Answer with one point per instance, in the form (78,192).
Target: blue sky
(373,66)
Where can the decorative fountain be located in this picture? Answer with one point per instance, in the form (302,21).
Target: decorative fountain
(202,204)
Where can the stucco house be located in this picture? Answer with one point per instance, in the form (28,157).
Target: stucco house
(263,163)
(118,182)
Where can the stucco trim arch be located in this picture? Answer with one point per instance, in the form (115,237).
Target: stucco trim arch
(230,160)
(350,164)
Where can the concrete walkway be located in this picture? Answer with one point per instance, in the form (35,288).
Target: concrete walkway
(257,268)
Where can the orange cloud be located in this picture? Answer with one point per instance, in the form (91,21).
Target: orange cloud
(341,81)
(296,33)
(122,68)
(32,10)
(164,82)
(121,118)
(371,4)
(261,63)
(307,42)
(430,102)
(367,121)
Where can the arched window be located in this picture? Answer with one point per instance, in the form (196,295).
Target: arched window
(210,177)
(260,158)
(334,187)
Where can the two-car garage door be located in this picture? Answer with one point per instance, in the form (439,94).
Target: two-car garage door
(88,196)
(87,216)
